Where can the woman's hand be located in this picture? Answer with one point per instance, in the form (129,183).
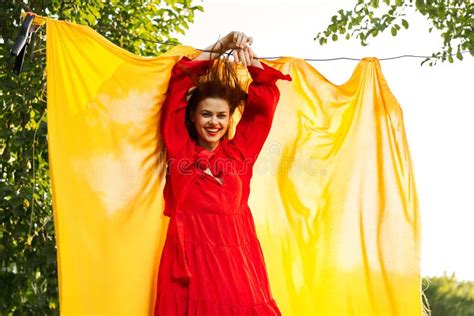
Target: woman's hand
(247,57)
(236,40)
(239,43)
(233,40)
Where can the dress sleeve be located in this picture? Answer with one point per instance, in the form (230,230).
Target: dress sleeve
(256,121)
(172,126)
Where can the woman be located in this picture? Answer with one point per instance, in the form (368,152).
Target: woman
(212,262)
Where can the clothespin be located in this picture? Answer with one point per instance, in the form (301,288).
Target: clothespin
(22,41)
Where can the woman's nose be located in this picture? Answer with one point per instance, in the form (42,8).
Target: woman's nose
(214,120)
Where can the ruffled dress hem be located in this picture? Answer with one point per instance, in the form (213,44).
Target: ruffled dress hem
(174,304)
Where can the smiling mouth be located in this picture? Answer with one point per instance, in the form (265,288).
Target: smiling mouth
(212,131)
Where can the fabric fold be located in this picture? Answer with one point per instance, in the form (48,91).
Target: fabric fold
(333,195)
(267,74)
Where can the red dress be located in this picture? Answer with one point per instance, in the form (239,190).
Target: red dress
(212,262)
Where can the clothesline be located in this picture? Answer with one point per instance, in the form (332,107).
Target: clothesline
(358,59)
(307,59)
(314,59)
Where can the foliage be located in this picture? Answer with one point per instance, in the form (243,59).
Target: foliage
(28,275)
(28,271)
(455,20)
(447,296)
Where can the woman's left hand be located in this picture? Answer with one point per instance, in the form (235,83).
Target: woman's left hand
(243,55)
(247,57)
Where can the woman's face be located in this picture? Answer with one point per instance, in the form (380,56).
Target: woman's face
(211,120)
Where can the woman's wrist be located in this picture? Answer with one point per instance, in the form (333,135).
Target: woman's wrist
(222,46)
(218,47)
(212,51)
(225,42)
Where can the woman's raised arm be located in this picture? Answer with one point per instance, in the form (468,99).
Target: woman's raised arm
(256,121)
(172,115)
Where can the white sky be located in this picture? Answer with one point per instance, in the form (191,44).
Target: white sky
(437,104)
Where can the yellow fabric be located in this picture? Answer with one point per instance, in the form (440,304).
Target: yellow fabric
(333,193)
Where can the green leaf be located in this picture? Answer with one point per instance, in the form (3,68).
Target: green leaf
(199,8)
(374,32)
(334,37)
(424,61)
(374,3)
(405,23)
(393,30)
(420,5)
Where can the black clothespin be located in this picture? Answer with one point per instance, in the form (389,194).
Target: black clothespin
(22,41)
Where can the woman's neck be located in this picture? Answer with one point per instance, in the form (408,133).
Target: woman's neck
(208,146)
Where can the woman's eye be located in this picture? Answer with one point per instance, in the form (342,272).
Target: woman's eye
(222,116)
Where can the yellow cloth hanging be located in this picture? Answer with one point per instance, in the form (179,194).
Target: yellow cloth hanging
(332,195)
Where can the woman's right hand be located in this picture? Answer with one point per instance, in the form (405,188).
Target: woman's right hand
(236,40)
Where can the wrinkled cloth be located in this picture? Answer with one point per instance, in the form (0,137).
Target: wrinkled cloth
(332,195)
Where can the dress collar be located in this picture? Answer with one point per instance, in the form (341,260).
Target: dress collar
(204,159)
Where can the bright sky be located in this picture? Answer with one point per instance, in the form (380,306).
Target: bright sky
(437,104)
